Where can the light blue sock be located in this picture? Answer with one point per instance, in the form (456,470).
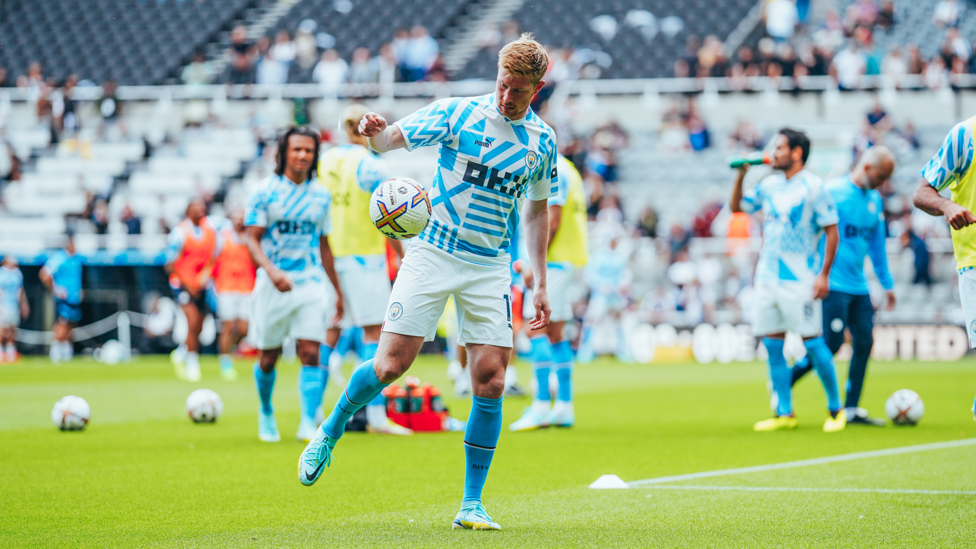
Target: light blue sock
(480,439)
(780,375)
(265,383)
(311,386)
(541,365)
(369,351)
(363,386)
(324,353)
(823,362)
(562,357)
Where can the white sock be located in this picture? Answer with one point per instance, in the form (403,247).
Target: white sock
(376,415)
(181,352)
(11,351)
(55,352)
(67,350)
(193,360)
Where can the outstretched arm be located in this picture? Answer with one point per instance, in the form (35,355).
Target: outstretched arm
(927,199)
(736,204)
(382,137)
(537,240)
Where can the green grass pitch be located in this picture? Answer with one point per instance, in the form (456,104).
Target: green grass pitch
(143,475)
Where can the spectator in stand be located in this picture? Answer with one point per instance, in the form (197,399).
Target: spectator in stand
(847,67)
(647,222)
(306,50)
(708,56)
(894,66)
(284,50)
(198,72)
(699,137)
(330,72)
(886,15)
(936,74)
(242,54)
(270,71)
(690,55)
(947,14)
(831,34)
(878,118)
(746,137)
(362,70)
(782,18)
(132,222)
(865,13)
(385,64)
(420,53)
(955,47)
(923,275)
(5,80)
(914,61)
(747,60)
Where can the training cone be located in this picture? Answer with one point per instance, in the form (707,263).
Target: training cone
(607,482)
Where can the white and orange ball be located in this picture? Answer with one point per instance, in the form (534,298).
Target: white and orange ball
(400,208)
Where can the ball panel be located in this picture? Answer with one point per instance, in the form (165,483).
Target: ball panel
(400,208)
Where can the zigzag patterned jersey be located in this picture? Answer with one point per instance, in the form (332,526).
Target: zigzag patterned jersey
(488,165)
(795,211)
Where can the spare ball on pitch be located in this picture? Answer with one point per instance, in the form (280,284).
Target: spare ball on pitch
(400,208)
(904,407)
(71,413)
(204,406)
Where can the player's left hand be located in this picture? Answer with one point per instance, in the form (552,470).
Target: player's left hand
(821,287)
(339,310)
(540,298)
(889,300)
(372,124)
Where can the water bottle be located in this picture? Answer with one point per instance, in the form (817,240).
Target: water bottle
(750,159)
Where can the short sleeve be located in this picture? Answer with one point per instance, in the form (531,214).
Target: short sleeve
(372,171)
(561,196)
(824,208)
(546,182)
(54,263)
(429,126)
(953,159)
(256,213)
(325,224)
(752,199)
(174,245)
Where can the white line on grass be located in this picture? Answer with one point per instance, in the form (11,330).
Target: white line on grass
(779,489)
(808,462)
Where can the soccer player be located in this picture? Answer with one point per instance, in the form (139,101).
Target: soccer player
(352,172)
(62,277)
(191,249)
(288,225)
(494,153)
(13,307)
(568,241)
(952,168)
(797,209)
(233,274)
(848,305)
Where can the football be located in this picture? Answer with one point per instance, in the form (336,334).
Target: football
(400,208)
(204,406)
(904,407)
(71,413)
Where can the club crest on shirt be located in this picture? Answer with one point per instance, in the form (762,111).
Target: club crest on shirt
(872,208)
(531,160)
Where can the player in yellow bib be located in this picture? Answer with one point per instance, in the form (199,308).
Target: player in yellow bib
(568,242)
(952,167)
(352,172)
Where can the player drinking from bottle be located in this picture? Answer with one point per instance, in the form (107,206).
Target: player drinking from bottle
(796,210)
(494,153)
(288,225)
(848,305)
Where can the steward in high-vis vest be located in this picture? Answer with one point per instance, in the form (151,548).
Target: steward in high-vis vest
(352,172)
(234,274)
(190,252)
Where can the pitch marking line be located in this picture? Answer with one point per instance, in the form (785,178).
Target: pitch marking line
(808,462)
(843,490)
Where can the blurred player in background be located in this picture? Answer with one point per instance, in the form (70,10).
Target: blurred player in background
(796,210)
(191,249)
(568,240)
(860,209)
(61,275)
(288,225)
(952,168)
(233,274)
(13,306)
(494,152)
(352,172)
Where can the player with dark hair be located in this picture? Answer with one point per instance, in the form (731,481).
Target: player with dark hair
(848,305)
(62,277)
(797,210)
(288,224)
(191,249)
(494,154)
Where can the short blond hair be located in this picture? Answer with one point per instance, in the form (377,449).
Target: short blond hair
(351,116)
(524,57)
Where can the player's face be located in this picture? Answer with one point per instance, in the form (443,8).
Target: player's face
(514,93)
(237,218)
(70,246)
(196,210)
(300,154)
(782,154)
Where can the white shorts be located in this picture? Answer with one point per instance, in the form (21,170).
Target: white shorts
(786,307)
(365,290)
(298,313)
(233,306)
(9,317)
(559,278)
(967,296)
(482,295)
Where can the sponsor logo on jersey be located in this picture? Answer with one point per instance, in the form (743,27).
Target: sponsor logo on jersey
(486,143)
